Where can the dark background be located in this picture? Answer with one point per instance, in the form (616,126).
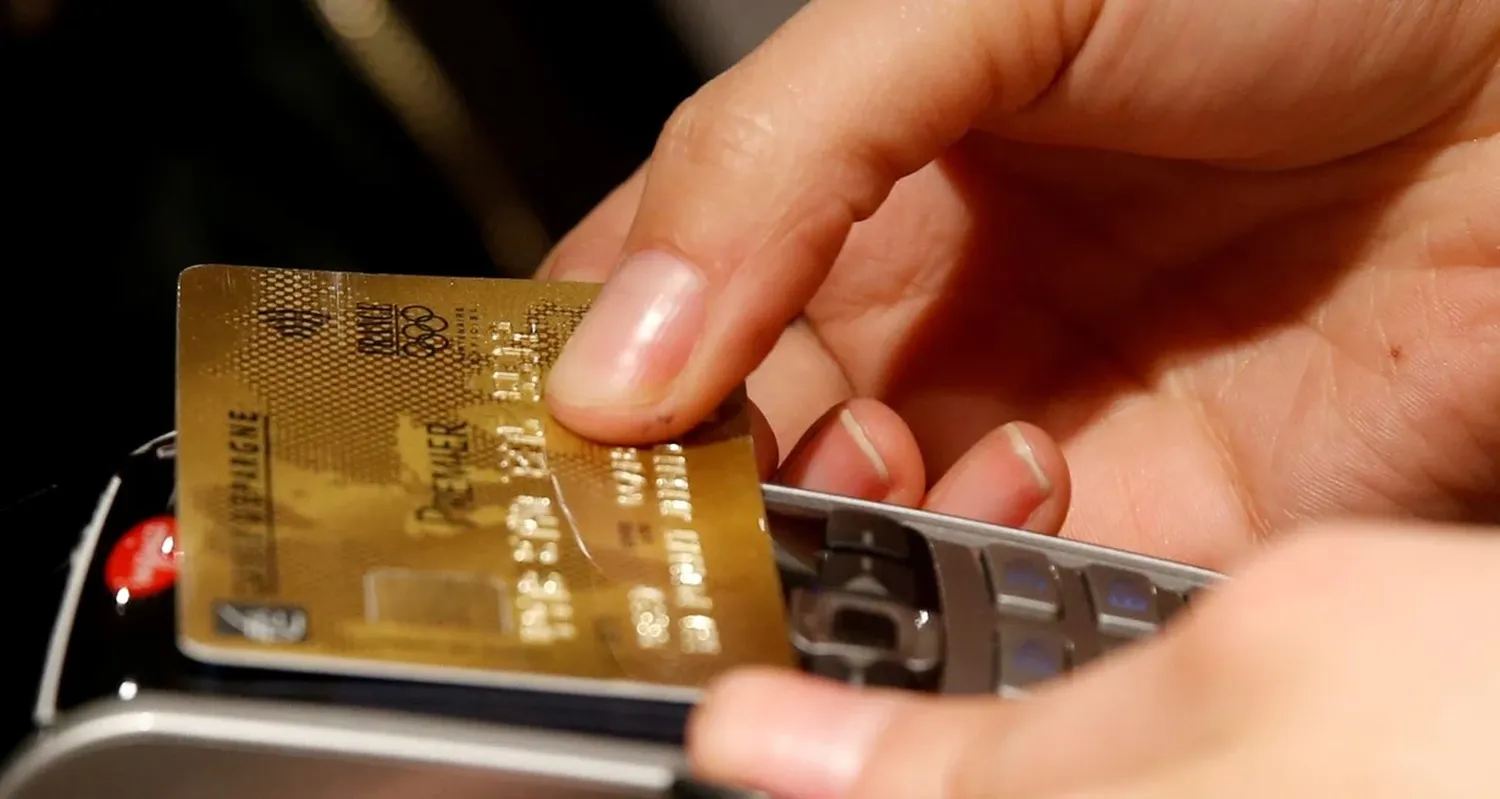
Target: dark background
(145,137)
(137,139)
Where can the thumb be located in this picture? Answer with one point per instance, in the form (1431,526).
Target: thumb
(758,178)
(798,737)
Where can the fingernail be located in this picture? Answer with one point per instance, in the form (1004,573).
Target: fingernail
(1000,481)
(1023,450)
(636,338)
(846,462)
(815,743)
(865,446)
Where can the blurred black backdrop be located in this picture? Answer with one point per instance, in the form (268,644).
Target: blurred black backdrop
(141,138)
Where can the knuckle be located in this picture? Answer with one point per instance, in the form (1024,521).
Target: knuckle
(1216,651)
(714,129)
(1237,637)
(975,771)
(1254,627)
(960,732)
(1299,565)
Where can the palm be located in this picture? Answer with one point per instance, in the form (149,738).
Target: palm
(1218,353)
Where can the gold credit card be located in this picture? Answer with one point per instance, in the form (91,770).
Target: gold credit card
(369,483)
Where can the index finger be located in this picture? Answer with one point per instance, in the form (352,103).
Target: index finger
(757,180)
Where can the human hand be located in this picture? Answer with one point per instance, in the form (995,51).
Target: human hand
(1236,258)
(1348,661)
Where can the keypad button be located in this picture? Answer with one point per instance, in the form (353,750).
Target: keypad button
(1024,583)
(864,629)
(1029,656)
(859,627)
(1169,604)
(888,675)
(868,534)
(969,667)
(830,666)
(876,675)
(863,574)
(1125,603)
